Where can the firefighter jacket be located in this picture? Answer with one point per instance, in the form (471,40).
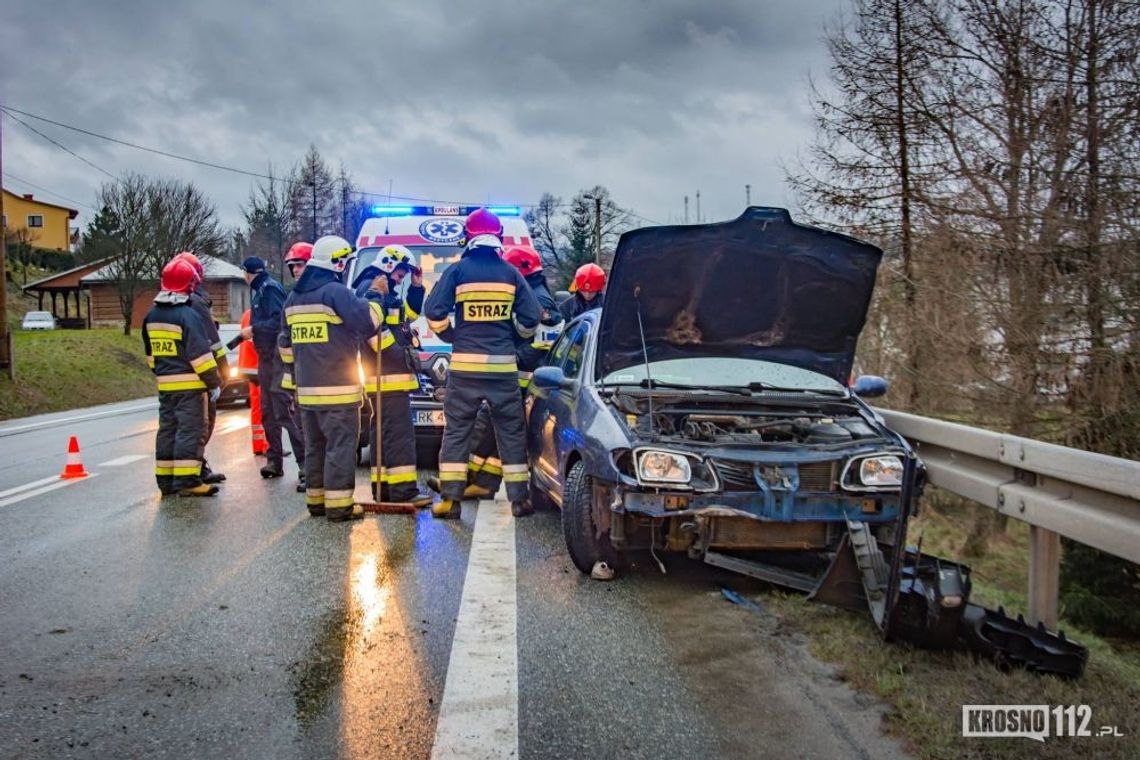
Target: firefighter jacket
(177,346)
(267,298)
(576,305)
(394,340)
(202,303)
(325,323)
(493,307)
(531,353)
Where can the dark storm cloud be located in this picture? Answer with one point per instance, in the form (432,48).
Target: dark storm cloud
(487,101)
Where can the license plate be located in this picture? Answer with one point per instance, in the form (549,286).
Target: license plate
(429,417)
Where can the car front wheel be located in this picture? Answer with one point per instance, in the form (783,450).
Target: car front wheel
(586,547)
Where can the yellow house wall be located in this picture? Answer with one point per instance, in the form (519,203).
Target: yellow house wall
(53,235)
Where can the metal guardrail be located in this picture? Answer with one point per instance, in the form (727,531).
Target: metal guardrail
(1089,498)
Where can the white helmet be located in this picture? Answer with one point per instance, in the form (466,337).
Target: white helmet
(392,256)
(332,253)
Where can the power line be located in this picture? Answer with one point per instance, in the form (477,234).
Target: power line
(43,189)
(232,169)
(56,144)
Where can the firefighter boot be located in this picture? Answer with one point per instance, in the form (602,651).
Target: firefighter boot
(272,470)
(522,508)
(475,492)
(434,484)
(202,489)
(447,509)
(210,476)
(344,514)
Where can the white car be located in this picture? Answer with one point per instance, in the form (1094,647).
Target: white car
(38,320)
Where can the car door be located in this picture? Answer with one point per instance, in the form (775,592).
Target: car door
(569,355)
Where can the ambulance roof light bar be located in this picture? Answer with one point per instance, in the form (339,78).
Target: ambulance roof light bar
(388,210)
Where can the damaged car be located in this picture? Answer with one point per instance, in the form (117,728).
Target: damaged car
(707,408)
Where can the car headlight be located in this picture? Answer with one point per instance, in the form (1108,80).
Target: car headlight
(878,471)
(663,467)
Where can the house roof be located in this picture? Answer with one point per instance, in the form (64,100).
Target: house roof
(71,213)
(69,280)
(215,268)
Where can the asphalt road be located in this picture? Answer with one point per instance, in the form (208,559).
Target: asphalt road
(238,626)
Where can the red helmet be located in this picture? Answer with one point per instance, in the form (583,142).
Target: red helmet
(526,260)
(483,222)
(190,258)
(179,276)
(590,278)
(298,253)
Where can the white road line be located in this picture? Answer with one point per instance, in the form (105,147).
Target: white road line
(27,486)
(45,489)
(75,418)
(479,716)
(124,460)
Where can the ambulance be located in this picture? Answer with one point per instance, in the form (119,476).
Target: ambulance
(434,235)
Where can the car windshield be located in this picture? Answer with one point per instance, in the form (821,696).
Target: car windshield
(38,316)
(723,371)
(433,259)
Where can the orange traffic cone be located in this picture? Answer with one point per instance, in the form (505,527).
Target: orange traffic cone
(74,468)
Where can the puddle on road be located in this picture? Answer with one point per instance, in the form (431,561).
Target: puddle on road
(320,675)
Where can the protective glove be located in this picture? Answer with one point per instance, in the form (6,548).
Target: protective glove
(215,393)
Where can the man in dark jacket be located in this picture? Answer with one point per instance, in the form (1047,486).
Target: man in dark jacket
(267,300)
(493,307)
(177,349)
(326,324)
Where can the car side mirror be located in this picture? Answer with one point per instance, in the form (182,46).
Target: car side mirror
(870,386)
(548,379)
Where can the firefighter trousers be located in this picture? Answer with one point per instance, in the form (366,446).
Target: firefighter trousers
(465,396)
(330,462)
(178,444)
(484,468)
(278,412)
(396,480)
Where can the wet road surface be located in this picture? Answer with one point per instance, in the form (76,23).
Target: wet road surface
(240,627)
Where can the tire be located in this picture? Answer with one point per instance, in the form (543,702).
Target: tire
(578,524)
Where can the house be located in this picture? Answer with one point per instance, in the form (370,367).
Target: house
(224,282)
(39,224)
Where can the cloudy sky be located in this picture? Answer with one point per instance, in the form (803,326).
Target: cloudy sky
(457,101)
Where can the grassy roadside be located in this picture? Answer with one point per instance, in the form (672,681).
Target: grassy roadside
(67,369)
(926,690)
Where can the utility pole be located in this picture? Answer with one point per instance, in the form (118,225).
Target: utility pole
(313,184)
(5,335)
(686,209)
(747,195)
(597,227)
(698,207)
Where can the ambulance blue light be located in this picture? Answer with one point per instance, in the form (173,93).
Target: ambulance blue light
(504,210)
(392,210)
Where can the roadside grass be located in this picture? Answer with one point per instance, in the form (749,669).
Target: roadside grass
(926,690)
(58,370)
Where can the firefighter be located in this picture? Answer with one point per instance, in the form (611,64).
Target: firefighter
(295,261)
(395,479)
(278,412)
(203,305)
(587,286)
(493,306)
(325,324)
(484,468)
(177,346)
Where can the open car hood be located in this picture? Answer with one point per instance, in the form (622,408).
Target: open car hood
(757,287)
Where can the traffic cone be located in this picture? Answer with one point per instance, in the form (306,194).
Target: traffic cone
(74,468)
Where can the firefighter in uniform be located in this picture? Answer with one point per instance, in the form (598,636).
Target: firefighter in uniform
(325,324)
(295,261)
(203,305)
(484,468)
(493,306)
(177,346)
(395,478)
(587,286)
